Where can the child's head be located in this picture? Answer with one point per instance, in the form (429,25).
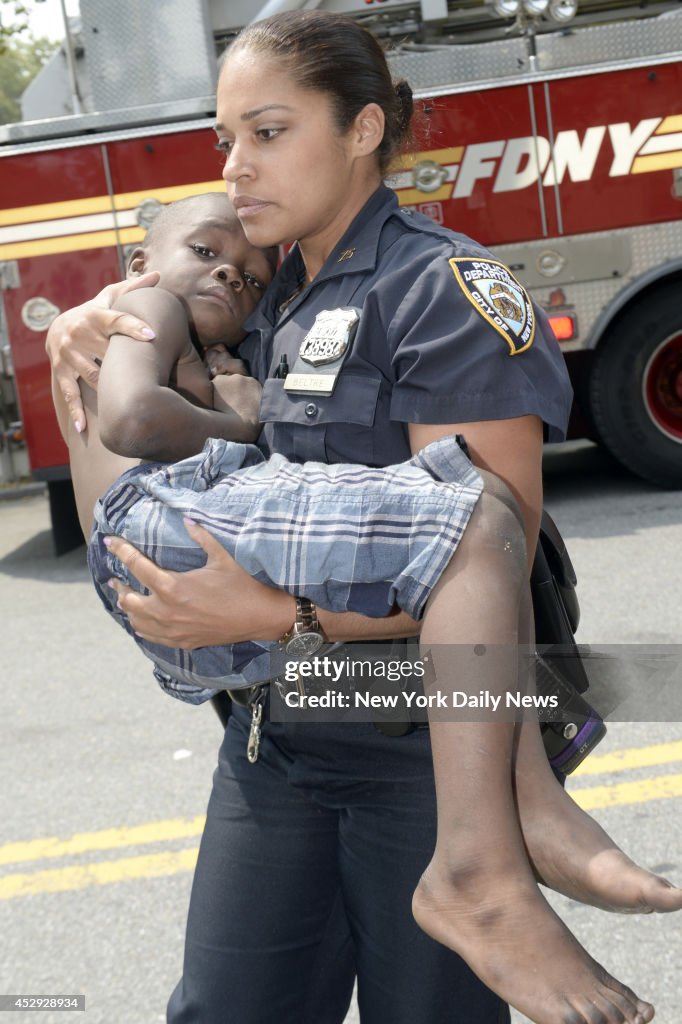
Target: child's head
(198,246)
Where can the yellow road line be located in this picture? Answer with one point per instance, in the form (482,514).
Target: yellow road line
(637,757)
(124,869)
(105,839)
(101,873)
(663,787)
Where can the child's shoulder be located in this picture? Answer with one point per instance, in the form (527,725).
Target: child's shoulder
(165,314)
(152,302)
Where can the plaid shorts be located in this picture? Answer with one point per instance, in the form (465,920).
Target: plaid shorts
(348,537)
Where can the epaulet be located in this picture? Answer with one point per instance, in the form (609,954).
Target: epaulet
(461,245)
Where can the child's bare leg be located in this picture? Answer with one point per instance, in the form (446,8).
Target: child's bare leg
(478,895)
(575,856)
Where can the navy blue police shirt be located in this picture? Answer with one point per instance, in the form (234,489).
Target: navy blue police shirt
(445,335)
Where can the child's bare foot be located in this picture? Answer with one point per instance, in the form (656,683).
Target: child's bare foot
(572,854)
(513,940)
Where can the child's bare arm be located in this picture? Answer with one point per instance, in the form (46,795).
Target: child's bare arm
(140,415)
(240,394)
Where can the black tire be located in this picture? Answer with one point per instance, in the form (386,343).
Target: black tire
(635,388)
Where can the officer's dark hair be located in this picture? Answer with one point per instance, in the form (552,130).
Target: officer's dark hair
(331,53)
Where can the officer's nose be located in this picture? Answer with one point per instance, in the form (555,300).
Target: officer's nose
(228,275)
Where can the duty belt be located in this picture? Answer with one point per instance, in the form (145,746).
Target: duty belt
(389,721)
(570,732)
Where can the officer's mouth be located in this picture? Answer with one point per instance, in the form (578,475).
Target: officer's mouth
(249,206)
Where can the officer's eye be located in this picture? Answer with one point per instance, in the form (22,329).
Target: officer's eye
(202,250)
(224,146)
(268,134)
(253,282)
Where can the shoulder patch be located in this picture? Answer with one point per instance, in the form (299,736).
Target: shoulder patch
(499,298)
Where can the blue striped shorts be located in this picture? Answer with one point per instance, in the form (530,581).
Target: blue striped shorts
(348,537)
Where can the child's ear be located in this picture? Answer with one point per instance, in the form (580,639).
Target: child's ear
(136,262)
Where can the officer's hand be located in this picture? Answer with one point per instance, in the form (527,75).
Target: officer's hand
(217,604)
(78,338)
(219,361)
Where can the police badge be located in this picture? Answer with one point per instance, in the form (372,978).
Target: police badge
(499,298)
(324,348)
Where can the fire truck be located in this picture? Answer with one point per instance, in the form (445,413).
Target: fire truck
(549,130)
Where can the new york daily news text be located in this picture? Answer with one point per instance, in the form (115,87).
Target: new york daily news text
(628,682)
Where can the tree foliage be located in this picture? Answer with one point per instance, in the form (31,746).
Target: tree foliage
(20,62)
(13,21)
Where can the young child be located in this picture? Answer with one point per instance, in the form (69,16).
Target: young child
(354,538)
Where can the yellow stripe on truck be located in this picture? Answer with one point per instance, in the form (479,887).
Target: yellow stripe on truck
(70,243)
(657,162)
(103,204)
(124,200)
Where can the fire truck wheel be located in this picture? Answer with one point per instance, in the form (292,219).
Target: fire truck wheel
(635,388)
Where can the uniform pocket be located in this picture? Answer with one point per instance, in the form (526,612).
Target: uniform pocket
(322,428)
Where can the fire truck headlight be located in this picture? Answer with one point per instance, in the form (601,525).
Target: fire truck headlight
(38,313)
(506,8)
(563,10)
(535,8)
(428,176)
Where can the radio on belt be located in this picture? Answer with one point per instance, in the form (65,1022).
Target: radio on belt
(323,352)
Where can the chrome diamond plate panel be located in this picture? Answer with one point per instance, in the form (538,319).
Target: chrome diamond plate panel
(460,63)
(654,249)
(142,51)
(605,44)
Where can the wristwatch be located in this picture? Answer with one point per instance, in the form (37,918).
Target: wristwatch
(305,636)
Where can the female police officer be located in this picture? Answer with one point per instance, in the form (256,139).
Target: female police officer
(311,853)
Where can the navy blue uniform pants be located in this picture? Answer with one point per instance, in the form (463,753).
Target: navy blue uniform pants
(304,880)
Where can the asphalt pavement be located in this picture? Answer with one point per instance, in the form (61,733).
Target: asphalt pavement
(105,780)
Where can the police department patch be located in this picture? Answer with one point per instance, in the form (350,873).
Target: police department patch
(499,298)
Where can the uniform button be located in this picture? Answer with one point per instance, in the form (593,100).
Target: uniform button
(311,409)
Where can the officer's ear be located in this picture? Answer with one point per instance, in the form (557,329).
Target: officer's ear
(368,129)
(137,262)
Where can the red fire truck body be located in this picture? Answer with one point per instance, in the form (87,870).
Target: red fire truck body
(563,158)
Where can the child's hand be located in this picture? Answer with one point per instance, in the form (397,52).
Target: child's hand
(237,393)
(219,361)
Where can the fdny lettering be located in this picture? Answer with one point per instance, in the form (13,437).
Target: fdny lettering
(509,165)
(499,298)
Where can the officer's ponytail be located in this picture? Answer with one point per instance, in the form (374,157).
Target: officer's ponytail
(406,105)
(332,53)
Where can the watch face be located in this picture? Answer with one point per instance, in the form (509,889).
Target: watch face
(304,644)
